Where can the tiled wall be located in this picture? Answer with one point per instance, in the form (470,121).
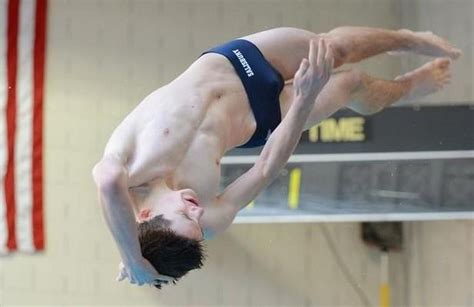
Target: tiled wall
(103,57)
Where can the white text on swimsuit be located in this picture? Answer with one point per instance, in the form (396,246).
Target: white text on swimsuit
(244,63)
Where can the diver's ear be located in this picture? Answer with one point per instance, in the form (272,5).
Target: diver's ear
(144,215)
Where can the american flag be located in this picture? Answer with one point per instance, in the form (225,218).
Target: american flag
(22,61)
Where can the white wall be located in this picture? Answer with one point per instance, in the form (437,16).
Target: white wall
(451,19)
(103,57)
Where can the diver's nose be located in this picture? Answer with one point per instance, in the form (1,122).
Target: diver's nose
(196,211)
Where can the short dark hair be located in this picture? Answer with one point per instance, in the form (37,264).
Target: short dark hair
(169,253)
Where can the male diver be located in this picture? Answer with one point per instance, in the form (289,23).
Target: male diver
(158,180)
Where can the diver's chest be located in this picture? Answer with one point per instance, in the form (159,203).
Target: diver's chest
(199,174)
(200,170)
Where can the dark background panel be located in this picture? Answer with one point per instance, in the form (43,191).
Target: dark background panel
(370,187)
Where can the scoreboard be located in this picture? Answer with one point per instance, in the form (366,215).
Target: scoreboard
(401,164)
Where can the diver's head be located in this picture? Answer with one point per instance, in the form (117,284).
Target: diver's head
(181,208)
(170,233)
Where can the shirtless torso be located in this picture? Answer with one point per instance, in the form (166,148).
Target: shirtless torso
(196,118)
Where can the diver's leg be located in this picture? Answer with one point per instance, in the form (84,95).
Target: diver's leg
(359,43)
(285,48)
(367,95)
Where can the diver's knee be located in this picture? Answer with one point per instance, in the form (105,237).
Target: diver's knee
(353,78)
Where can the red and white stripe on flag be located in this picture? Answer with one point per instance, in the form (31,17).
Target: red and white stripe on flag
(22,61)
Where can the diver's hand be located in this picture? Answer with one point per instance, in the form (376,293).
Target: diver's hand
(314,73)
(141,272)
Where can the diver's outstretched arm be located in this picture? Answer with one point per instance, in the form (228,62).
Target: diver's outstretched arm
(310,79)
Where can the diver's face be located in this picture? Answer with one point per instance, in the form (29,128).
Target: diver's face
(182,208)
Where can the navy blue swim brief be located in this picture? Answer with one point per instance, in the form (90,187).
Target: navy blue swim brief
(263,85)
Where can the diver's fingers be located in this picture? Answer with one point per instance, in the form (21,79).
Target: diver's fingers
(321,53)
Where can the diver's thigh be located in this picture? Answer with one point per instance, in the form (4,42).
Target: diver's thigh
(284,48)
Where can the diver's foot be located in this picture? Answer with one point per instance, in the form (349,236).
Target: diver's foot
(427,79)
(427,43)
